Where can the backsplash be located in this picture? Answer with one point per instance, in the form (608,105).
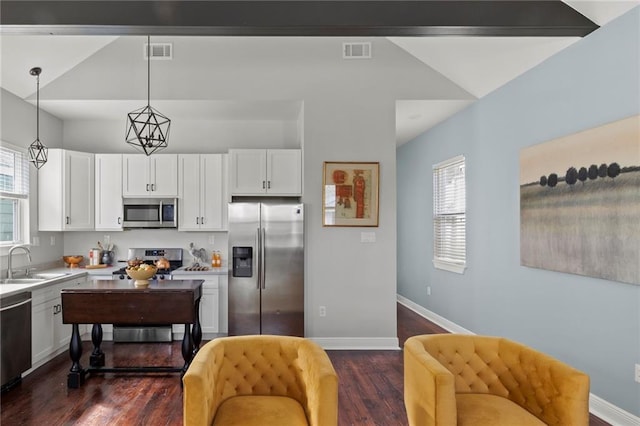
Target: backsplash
(82,242)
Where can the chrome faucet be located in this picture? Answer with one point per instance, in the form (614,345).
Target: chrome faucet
(11,250)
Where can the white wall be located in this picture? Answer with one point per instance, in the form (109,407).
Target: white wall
(186,136)
(355,281)
(18,128)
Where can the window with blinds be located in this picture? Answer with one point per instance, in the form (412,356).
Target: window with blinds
(449,215)
(14,195)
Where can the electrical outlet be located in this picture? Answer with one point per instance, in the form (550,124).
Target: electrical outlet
(212,239)
(322,311)
(428,290)
(52,240)
(36,241)
(637,376)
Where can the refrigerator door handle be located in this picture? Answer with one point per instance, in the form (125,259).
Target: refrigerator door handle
(259,259)
(263,254)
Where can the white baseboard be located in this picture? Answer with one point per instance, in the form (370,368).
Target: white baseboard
(450,326)
(611,413)
(357,343)
(597,406)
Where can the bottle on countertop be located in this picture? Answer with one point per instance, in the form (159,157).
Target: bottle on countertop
(216,259)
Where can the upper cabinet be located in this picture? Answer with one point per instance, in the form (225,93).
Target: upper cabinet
(202,192)
(108,192)
(65,191)
(150,176)
(265,172)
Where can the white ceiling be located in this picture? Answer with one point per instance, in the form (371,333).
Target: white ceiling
(478,65)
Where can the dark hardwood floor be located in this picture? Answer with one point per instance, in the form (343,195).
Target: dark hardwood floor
(370,392)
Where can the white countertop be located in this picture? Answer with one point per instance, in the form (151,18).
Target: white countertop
(9,289)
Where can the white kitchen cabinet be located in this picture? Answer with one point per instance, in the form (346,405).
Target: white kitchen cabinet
(66,191)
(265,172)
(202,192)
(150,176)
(108,193)
(209,308)
(49,335)
(42,330)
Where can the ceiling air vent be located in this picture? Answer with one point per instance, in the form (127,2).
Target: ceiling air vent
(159,51)
(356,50)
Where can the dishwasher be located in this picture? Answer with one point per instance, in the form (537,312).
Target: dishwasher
(15,342)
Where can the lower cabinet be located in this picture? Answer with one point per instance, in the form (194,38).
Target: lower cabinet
(49,336)
(209,308)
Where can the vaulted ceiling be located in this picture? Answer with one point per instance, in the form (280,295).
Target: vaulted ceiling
(465,66)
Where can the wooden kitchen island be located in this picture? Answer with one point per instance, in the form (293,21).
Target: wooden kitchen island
(121,302)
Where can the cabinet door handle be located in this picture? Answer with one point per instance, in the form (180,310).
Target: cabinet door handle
(197,220)
(147,187)
(202,221)
(119,220)
(263,184)
(153,187)
(268,184)
(67,220)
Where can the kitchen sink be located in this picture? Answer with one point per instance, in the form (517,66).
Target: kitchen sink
(23,280)
(33,279)
(49,276)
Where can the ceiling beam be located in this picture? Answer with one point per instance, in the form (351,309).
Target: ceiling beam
(296,18)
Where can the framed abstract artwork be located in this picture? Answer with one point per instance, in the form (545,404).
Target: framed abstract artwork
(350,193)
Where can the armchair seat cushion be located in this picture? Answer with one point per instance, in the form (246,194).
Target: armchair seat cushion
(478,409)
(258,410)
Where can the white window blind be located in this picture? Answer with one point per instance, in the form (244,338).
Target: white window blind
(449,214)
(14,173)
(14,196)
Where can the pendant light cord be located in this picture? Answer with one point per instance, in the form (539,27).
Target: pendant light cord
(38,107)
(148,70)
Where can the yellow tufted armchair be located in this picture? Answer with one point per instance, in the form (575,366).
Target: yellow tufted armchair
(463,380)
(260,381)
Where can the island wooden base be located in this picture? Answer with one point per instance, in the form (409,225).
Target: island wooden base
(113,302)
(77,375)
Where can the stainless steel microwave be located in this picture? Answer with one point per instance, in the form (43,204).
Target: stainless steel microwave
(150,213)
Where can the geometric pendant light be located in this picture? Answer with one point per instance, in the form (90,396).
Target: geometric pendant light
(37,150)
(147,129)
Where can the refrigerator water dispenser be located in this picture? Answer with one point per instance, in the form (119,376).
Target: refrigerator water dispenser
(242,261)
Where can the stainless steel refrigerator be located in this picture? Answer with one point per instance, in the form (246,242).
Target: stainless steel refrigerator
(266,271)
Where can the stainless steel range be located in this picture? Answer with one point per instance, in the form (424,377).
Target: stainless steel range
(148,333)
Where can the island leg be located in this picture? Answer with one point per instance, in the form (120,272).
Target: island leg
(196,332)
(97,356)
(187,348)
(75,378)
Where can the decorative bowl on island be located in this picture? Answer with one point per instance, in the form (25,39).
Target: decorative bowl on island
(141,274)
(72,261)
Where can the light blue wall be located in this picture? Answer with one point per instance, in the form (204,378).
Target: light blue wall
(590,323)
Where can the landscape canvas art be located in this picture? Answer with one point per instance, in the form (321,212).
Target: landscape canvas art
(580,203)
